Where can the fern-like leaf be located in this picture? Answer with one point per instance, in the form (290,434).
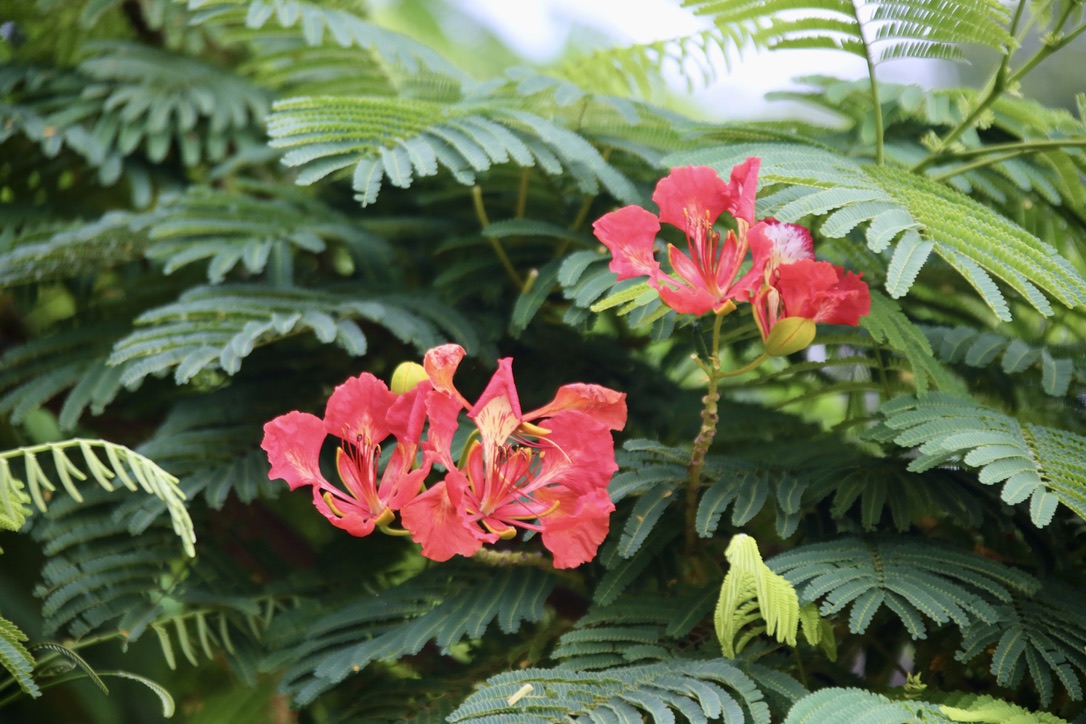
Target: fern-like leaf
(437,605)
(914,579)
(134,471)
(1038,634)
(754,594)
(699,690)
(221,325)
(1043,464)
(15,659)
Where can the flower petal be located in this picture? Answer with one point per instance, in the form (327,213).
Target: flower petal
(691,192)
(772,245)
(577,454)
(601,403)
(407,415)
(575,530)
(823,292)
(497,411)
(440,364)
(442,410)
(354,520)
(293,443)
(687,300)
(630,233)
(437,525)
(357,410)
(743,188)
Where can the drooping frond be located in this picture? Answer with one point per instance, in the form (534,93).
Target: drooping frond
(698,690)
(345,28)
(632,629)
(888,325)
(982,708)
(403,139)
(242,227)
(42,256)
(15,659)
(1036,636)
(982,349)
(1043,464)
(218,326)
(155,99)
(135,472)
(437,605)
(36,372)
(884,30)
(844,706)
(915,579)
(98,576)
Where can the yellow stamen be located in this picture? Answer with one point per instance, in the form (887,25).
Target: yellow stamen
(331,504)
(504,534)
(533,430)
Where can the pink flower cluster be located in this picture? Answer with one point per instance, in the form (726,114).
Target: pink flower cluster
(783,279)
(546,470)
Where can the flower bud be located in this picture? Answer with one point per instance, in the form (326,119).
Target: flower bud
(790,335)
(407,377)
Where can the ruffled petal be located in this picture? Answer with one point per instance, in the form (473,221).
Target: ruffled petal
(440,364)
(823,292)
(630,234)
(691,192)
(574,531)
(773,245)
(743,188)
(601,403)
(578,453)
(437,525)
(443,411)
(358,408)
(293,444)
(407,415)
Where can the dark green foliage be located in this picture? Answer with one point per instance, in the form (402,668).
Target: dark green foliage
(213,212)
(697,690)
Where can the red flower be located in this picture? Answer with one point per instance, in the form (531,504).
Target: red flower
(363,413)
(815,290)
(549,476)
(691,198)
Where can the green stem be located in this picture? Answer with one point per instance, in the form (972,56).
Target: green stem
(1001,80)
(704,439)
(522,193)
(505,559)
(1011,150)
(874,83)
(480,213)
(799,668)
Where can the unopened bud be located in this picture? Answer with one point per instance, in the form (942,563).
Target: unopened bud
(790,335)
(407,377)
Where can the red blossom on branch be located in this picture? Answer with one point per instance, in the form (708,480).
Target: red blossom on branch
(783,280)
(363,413)
(545,470)
(691,198)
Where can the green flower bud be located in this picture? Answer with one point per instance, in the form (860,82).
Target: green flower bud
(790,335)
(407,377)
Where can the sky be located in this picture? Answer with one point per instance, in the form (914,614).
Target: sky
(539,28)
